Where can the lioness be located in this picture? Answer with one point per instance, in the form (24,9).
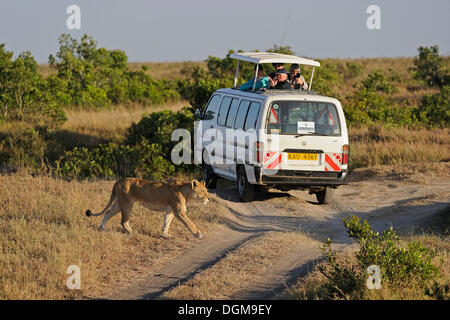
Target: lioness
(170,197)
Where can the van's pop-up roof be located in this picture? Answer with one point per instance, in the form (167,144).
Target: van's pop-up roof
(271,57)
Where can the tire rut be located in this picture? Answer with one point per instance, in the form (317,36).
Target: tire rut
(195,260)
(247,221)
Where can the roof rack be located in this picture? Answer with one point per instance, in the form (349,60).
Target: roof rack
(271,57)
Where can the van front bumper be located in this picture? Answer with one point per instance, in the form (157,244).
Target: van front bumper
(300,178)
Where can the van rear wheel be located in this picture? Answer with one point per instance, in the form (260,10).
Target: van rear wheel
(246,190)
(325,196)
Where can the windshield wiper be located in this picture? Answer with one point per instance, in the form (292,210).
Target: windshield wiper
(308,134)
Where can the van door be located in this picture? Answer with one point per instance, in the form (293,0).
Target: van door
(220,151)
(246,133)
(228,134)
(208,126)
(303,135)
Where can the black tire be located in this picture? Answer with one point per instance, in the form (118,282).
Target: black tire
(245,190)
(325,196)
(208,172)
(209,177)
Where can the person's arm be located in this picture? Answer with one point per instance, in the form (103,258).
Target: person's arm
(304,86)
(273,82)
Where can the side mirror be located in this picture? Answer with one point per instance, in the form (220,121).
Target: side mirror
(198,114)
(210,115)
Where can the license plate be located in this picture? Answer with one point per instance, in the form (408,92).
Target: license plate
(303,156)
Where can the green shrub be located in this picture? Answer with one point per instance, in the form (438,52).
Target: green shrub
(401,266)
(199,92)
(434,110)
(146,151)
(157,127)
(115,161)
(352,70)
(378,82)
(343,281)
(94,77)
(21,145)
(430,67)
(372,102)
(23,92)
(325,77)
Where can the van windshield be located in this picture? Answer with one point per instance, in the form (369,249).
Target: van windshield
(303,118)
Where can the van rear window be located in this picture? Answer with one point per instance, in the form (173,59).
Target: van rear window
(303,117)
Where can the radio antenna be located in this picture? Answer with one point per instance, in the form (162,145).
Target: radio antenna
(285,27)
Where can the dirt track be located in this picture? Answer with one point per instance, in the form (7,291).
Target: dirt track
(404,203)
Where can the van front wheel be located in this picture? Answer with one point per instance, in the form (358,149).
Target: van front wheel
(325,196)
(209,177)
(246,190)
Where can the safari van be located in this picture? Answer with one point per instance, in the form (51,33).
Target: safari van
(284,139)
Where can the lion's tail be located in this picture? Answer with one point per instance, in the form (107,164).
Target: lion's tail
(111,200)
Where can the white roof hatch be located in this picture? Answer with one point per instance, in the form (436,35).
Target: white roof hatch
(271,57)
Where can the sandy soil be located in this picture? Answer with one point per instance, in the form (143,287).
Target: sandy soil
(384,199)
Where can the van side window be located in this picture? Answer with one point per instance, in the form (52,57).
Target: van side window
(223,112)
(213,104)
(232,112)
(252,116)
(241,114)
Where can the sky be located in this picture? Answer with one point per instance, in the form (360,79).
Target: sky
(169,30)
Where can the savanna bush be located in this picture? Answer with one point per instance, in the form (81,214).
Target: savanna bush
(21,144)
(114,161)
(434,110)
(402,265)
(430,67)
(93,77)
(372,102)
(24,92)
(145,152)
(199,92)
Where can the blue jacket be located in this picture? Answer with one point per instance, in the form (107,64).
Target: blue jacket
(261,83)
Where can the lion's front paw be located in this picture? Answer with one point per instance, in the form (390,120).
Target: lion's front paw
(199,234)
(165,235)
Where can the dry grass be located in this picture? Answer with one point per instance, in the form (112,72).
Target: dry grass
(238,269)
(376,145)
(166,70)
(43,230)
(157,70)
(397,70)
(92,127)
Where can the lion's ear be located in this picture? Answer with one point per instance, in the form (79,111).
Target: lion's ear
(204,183)
(194,183)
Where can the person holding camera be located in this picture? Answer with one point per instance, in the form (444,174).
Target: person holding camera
(281,81)
(297,80)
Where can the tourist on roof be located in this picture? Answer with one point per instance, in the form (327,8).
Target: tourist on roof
(281,81)
(297,80)
(262,81)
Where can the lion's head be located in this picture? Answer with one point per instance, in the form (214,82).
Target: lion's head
(200,191)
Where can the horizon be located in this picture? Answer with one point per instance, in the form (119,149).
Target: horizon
(182,32)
